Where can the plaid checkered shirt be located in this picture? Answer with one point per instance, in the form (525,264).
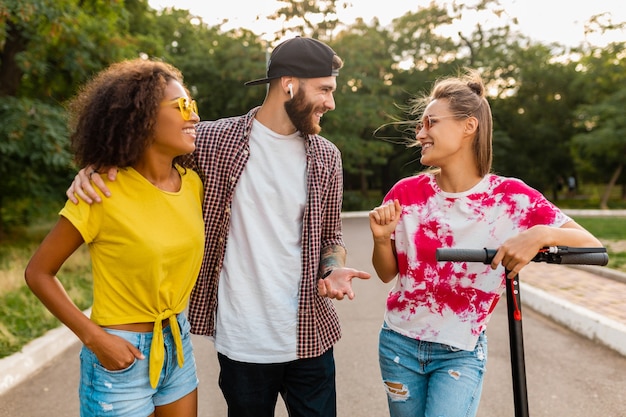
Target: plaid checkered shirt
(222,151)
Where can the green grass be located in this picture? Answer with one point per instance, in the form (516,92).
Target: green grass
(617,260)
(25,318)
(610,228)
(22,316)
(612,233)
(588,196)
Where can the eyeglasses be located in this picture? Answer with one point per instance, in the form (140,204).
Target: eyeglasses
(185,106)
(429,121)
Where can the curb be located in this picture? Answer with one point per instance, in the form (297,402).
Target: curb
(585,322)
(34,356)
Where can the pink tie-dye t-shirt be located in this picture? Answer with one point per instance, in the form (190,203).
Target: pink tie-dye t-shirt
(451,302)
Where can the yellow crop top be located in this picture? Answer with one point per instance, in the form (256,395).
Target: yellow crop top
(146,247)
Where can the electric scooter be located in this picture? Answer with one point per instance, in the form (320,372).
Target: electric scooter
(553,255)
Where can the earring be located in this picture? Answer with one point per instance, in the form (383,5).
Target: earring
(290,86)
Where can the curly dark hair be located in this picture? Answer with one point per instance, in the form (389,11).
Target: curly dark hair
(112,118)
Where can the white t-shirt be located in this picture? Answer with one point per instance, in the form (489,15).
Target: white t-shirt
(451,302)
(257,313)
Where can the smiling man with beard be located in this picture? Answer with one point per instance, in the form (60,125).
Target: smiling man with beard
(273,229)
(272,212)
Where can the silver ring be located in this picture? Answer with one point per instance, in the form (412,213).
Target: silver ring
(93,171)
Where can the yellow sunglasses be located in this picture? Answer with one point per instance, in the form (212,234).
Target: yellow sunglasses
(185,106)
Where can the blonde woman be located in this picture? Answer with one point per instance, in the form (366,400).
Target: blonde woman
(433,347)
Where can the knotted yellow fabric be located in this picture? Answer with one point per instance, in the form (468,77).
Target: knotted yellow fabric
(157,348)
(146,247)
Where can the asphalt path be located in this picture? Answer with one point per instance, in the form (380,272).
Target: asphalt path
(567,375)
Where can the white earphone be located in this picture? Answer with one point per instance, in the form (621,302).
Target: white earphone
(290,87)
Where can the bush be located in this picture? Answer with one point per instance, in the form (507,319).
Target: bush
(35,160)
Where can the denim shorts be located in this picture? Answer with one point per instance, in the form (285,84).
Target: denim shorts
(127,392)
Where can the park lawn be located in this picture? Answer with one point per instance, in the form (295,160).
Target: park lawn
(22,316)
(612,233)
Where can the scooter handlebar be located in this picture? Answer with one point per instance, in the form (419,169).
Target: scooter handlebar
(595,256)
(465,255)
(598,258)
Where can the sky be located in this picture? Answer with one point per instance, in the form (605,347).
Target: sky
(559,21)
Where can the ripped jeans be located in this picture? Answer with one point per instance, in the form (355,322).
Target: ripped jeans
(424,379)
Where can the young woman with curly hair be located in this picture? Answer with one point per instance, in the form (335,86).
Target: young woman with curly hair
(146,243)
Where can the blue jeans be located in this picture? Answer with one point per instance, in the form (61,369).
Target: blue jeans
(127,393)
(306,385)
(424,379)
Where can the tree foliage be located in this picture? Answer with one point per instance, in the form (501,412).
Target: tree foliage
(35,159)
(556,109)
(47,49)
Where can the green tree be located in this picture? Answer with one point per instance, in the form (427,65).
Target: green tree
(534,113)
(364,100)
(601,149)
(34,159)
(215,64)
(316,19)
(47,49)
(422,52)
(541,95)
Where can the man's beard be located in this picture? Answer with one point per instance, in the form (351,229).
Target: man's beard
(301,114)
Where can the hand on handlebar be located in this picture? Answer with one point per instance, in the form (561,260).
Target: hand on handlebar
(516,252)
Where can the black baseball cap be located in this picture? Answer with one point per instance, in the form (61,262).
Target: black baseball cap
(299,57)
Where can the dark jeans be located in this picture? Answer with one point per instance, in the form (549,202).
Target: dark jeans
(306,385)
